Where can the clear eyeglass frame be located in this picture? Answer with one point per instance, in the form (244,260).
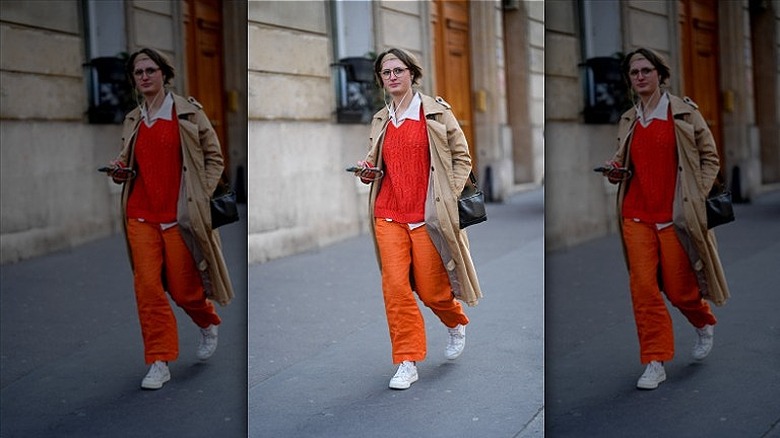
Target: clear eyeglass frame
(644,71)
(398,71)
(148,70)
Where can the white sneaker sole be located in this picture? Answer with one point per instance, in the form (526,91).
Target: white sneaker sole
(205,356)
(454,356)
(650,385)
(700,355)
(402,385)
(154,385)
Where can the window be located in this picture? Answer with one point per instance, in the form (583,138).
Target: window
(605,91)
(110,95)
(356,93)
(600,24)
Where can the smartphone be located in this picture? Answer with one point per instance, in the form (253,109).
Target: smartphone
(603,169)
(118,172)
(107,169)
(354,169)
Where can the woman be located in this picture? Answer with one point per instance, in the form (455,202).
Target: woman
(170,164)
(666,163)
(423,163)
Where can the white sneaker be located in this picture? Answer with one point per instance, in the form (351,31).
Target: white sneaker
(158,374)
(456,342)
(405,376)
(704,341)
(208,342)
(654,374)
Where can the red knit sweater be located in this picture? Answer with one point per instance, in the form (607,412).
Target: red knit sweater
(650,195)
(159,161)
(406,164)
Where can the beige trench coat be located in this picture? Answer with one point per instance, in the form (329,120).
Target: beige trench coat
(450,167)
(202,168)
(698,166)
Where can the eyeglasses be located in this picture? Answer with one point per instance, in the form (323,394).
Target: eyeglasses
(398,71)
(645,72)
(148,70)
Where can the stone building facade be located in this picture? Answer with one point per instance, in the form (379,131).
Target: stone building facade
(300,197)
(724,55)
(53,139)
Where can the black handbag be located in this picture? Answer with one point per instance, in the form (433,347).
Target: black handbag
(471,204)
(224,209)
(719,206)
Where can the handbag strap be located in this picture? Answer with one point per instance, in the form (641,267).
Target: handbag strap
(721,177)
(720,184)
(473,179)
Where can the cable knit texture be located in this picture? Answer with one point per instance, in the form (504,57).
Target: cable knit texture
(650,195)
(406,162)
(159,161)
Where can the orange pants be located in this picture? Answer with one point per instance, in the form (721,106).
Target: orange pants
(162,261)
(657,261)
(409,254)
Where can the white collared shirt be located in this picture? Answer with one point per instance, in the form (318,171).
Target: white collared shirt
(661,111)
(412,112)
(165,112)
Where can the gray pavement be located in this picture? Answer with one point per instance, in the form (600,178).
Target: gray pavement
(593,354)
(319,350)
(72,354)
(319,355)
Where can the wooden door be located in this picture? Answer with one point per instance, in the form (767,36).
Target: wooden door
(453,62)
(203,24)
(701,81)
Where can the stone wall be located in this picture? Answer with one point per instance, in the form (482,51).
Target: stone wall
(53,198)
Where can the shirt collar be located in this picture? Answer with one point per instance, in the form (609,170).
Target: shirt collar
(165,112)
(413,112)
(661,111)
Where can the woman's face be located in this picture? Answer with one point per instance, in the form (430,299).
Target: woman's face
(148,77)
(399,81)
(644,77)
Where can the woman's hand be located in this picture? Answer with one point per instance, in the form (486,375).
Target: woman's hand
(614,172)
(367,172)
(119,172)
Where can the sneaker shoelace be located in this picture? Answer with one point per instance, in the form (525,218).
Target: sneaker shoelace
(404,370)
(653,370)
(455,337)
(157,370)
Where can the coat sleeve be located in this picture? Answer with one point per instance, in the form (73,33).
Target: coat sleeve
(372,150)
(213,162)
(128,130)
(124,153)
(459,149)
(708,151)
(624,130)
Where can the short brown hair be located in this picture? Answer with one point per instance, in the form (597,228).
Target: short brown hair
(158,58)
(407,58)
(658,61)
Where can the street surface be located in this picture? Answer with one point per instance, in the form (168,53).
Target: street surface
(72,354)
(592,349)
(319,353)
(319,349)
